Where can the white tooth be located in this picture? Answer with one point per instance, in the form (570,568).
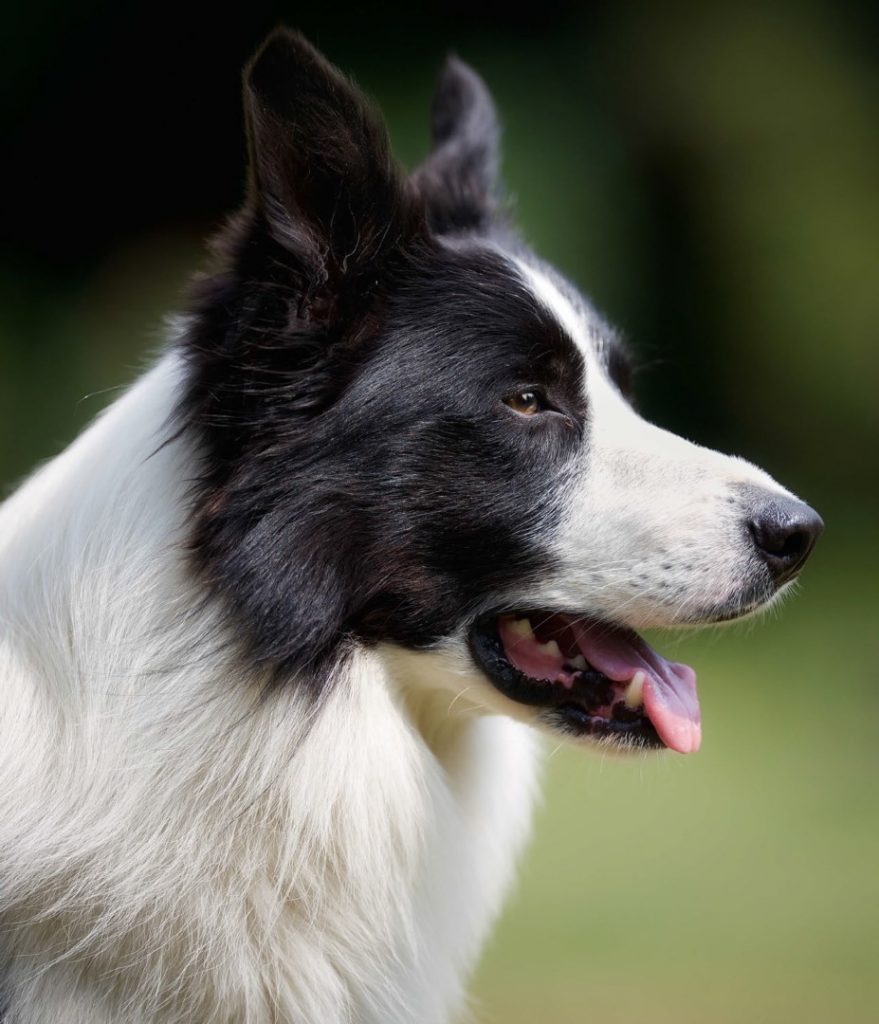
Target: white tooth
(634,695)
(521,627)
(551,648)
(579,663)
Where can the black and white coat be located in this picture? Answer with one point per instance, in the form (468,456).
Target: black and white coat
(250,770)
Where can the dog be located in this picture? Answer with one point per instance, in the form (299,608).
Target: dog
(281,629)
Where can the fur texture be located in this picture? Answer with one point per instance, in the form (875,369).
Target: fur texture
(249,769)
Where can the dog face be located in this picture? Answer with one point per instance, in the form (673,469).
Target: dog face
(417,436)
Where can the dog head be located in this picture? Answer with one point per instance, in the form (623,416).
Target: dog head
(418,436)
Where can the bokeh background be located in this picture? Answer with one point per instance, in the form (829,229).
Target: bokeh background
(709,174)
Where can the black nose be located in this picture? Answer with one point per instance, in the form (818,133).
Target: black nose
(785,531)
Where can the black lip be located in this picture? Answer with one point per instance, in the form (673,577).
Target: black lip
(567,710)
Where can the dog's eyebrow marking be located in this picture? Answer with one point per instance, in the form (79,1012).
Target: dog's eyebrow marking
(596,342)
(560,307)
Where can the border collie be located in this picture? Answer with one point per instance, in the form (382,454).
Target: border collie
(279,631)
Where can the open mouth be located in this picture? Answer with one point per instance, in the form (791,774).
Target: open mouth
(592,678)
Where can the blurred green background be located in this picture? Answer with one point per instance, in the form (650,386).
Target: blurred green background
(709,174)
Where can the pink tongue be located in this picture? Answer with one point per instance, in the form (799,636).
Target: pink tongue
(670,700)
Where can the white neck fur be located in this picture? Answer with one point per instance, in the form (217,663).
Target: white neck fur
(172,847)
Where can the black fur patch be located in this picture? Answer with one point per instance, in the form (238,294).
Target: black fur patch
(362,476)
(374,482)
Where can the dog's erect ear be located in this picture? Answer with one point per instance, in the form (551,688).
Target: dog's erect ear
(459,180)
(321,173)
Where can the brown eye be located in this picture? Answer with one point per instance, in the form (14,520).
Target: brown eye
(526,403)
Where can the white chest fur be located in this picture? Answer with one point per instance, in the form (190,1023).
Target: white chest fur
(172,848)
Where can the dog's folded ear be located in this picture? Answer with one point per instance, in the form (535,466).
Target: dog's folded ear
(459,180)
(321,174)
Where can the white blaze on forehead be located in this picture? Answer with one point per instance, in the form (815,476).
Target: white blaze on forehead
(617,415)
(559,305)
(585,331)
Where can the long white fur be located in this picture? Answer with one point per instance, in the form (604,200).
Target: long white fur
(174,850)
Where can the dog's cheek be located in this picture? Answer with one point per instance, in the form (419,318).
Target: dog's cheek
(469,518)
